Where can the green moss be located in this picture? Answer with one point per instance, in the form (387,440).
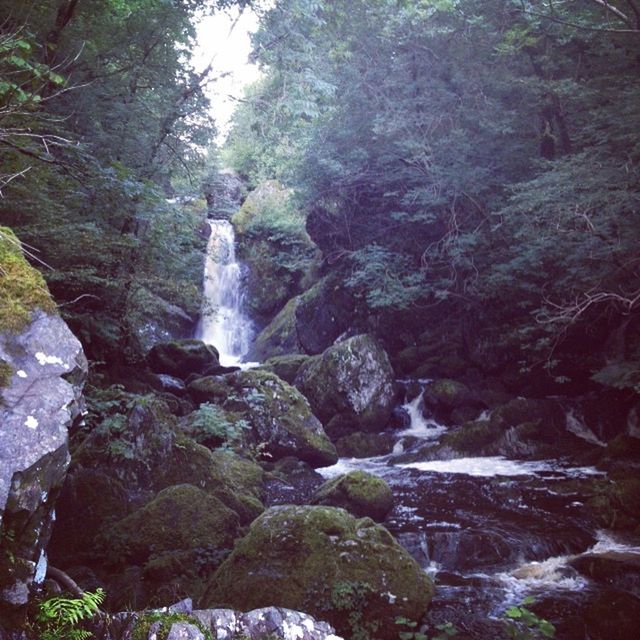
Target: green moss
(6,373)
(472,436)
(359,493)
(294,557)
(164,622)
(22,288)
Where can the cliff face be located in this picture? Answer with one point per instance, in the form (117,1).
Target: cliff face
(42,371)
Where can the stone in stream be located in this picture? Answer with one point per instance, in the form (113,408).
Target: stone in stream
(359,492)
(42,371)
(350,387)
(351,573)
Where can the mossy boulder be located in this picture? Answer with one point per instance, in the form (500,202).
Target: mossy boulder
(181,517)
(272,240)
(359,492)
(323,561)
(350,387)
(616,502)
(445,398)
(22,288)
(178,540)
(181,358)
(308,323)
(285,367)
(280,418)
(365,445)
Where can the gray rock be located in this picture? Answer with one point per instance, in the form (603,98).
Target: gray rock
(40,402)
(184,631)
(278,622)
(350,387)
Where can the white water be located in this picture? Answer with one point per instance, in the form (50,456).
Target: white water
(420,427)
(224,325)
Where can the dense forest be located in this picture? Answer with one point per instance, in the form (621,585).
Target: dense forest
(436,205)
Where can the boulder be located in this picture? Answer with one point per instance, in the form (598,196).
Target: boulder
(285,367)
(42,371)
(350,387)
(178,539)
(280,418)
(445,397)
(351,573)
(359,492)
(272,241)
(308,323)
(619,569)
(365,445)
(181,358)
(224,192)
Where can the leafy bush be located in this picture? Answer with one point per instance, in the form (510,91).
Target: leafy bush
(58,617)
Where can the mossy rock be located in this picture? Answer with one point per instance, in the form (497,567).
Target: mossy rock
(280,336)
(182,358)
(318,559)
(22,288)
(364,445)
(280,417)
(473,437)
(351,383)
(616,503)
(233,480)
(179,518)
(285,367)
(359,492)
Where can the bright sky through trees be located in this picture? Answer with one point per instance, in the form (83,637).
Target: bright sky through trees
(225,38)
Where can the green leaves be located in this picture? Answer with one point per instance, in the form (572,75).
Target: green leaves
(522,624)
(58,617)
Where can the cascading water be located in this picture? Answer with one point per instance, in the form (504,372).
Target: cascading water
(224,324)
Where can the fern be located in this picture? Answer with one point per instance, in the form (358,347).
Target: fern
(59,616)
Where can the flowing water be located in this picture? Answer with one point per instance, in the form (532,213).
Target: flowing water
(224,323)
(493,531)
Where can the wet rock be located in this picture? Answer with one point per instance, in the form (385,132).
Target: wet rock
(182,358)
(170,384)
(613,613)
(224,192)
(323,561)
(42,371)
(617,569)
(444,397)
(280,418)
(400,418)
(364,445)
(350,386)
(360,493)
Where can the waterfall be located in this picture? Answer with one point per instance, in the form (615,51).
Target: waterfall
(223,323)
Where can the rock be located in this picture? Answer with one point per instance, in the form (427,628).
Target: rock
(359,492)
(42,371)
(350,386)
(308,323)
(400,418)
(268,622)
(272,241)
(285,367)
(184,631)
(224,192)
(364,445)
(178,539)
(351,573)
(617,569)
(171,385)
(182,358)
(443,397)
(613,613)
(280,417)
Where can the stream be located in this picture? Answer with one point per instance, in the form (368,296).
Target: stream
(492,531)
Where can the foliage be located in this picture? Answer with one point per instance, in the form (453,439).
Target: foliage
(522,624)
(463,156)
(166,620)
(351,597)
(58,617)
(210,425)
(446,630)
